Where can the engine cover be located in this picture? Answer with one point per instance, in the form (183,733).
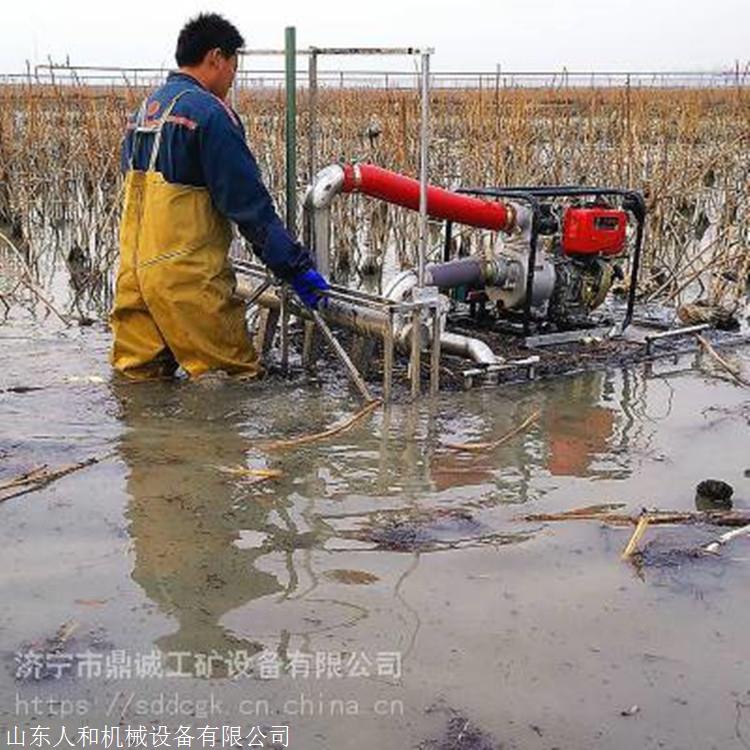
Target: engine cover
(594,230)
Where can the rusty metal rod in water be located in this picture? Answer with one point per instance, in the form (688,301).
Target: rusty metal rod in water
(354,373)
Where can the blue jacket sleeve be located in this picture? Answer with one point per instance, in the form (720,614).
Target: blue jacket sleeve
(236,187)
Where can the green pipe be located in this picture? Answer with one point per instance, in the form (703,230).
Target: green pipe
(290,48)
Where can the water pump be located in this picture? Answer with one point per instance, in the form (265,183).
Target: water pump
(556,253)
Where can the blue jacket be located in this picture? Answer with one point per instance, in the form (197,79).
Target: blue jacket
(203,144)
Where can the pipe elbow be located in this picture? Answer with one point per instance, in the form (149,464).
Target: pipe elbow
(482,354)
(326,185)
(469,348)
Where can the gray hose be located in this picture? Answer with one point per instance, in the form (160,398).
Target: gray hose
(463,272)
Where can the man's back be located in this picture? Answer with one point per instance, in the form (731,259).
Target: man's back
(203,145)
(188,173)
(190,118)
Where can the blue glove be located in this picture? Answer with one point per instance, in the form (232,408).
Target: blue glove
(310,287)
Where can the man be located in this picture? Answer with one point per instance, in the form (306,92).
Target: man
(188,173)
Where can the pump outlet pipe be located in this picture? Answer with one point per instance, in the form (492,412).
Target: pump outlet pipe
(401,190)
(391,187)
(441,204)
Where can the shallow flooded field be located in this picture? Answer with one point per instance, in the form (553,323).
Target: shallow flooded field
(376,590)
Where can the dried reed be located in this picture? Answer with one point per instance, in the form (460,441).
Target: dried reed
(686,149)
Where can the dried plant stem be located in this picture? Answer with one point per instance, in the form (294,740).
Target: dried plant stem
(31,286)
(331,432)
(30,476)
(714,546)
(706,345)
(717,518)
(689,279)
(491,445)
(636,537)
(688,149)
(41,477)
(258,474)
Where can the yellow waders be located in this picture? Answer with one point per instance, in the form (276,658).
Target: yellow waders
(174,296)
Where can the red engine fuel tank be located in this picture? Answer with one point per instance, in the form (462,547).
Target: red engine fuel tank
(594,230)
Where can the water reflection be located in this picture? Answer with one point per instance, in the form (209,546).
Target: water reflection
(237,564)
(579,428)
(185,515)
(584,430)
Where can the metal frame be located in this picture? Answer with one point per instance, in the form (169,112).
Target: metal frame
(367,314)
(652,338)
(424,303)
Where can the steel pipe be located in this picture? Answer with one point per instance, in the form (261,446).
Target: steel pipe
(463,272)
(469,348)
(473,271)
(360,319)
(424,151)
(369,321)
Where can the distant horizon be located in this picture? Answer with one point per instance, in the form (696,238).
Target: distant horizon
(741,66)
(521,35)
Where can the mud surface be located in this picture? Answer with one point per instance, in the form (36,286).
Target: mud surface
(381,575)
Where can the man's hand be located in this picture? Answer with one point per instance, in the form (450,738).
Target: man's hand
(311,287)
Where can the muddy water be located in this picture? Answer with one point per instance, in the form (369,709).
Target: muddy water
(382,591)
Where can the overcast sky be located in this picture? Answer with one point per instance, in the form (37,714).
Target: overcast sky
(466,34)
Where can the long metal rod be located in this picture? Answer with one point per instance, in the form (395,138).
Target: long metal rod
(371,51)
(435,352)
(415,357)
(67,74)
(423,170)
(337,292)
(489,74)
(388,345)
(310,346)
(673,332)
(312,138)
(651,339)
(319,50)
(291,129)
(357,379)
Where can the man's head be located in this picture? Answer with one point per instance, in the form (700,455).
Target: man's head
(207,49)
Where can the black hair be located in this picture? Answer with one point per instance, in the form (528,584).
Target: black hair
(205,32)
